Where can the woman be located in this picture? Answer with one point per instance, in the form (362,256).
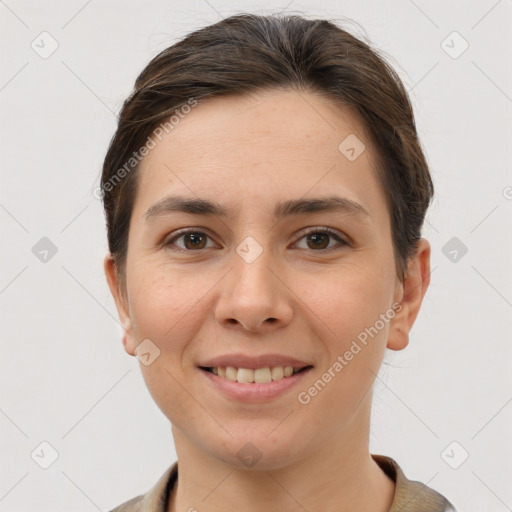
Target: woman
(264,195)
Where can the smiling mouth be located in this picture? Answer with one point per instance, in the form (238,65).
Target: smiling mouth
(258,375)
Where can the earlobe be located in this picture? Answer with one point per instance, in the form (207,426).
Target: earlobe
(128,347)
(398,338)
(128,341)
(122,308)
(414,287)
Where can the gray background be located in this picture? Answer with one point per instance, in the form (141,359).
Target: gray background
(64,375)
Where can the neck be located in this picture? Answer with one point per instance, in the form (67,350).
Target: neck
(338,474)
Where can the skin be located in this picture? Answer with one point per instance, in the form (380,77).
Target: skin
(249,153)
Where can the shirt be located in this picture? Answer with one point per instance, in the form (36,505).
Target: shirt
(409,496)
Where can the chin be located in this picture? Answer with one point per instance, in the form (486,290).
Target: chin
(258,450)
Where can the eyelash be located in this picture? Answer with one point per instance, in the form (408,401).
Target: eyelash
(315,230)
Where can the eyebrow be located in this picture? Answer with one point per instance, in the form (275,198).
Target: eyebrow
(198,206)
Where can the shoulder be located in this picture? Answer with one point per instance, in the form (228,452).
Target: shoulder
(410,494)
(156,499)
(132,505)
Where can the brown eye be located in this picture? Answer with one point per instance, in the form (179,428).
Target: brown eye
(318,239)
(192,240)
(197,240)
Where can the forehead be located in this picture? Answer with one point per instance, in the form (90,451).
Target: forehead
(267,145)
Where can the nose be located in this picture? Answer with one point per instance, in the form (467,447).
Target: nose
(254,297)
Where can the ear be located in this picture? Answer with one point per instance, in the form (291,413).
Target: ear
(411,291)
(120,299)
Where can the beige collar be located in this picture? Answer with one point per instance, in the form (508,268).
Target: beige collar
(410,495)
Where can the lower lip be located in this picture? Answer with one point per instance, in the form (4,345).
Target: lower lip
(255,391)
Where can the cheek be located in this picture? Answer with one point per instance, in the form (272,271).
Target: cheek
(168,308)
(346,301)
(163,304)
(348,308)
(165,309)
(355,344)
(168,388)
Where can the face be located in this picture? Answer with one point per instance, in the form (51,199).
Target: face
(235,279)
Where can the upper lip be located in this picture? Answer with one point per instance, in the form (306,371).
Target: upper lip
(253,362)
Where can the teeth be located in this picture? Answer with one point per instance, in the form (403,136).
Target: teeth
(277,372)
(245,375)
(231,373)
(260,375)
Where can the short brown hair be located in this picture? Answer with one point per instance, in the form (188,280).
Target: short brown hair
(249,52)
